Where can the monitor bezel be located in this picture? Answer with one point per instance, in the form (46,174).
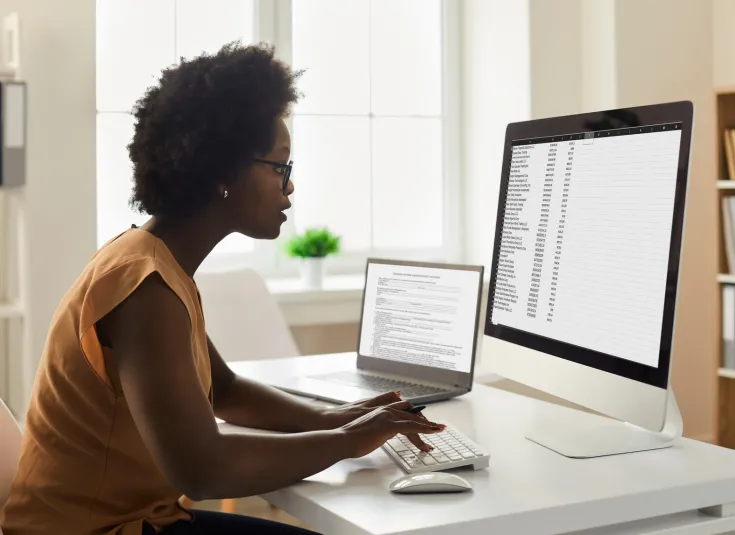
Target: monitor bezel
(674,112)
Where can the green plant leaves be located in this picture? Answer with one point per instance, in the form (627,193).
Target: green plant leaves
(314,243)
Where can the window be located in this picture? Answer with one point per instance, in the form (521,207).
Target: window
(374,139)
(136,39)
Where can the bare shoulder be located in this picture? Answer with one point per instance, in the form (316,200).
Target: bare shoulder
(151,311)
(150,335)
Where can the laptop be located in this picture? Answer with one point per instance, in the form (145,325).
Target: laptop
(418,334)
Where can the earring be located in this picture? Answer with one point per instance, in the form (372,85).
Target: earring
(225,194)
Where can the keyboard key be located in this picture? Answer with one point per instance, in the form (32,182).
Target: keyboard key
(441,458)
(450,449)
(397,445)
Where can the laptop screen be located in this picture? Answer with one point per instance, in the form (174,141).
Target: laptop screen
(420,315)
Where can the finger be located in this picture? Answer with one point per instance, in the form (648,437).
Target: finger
(383,399)
(400,405)
(420,444)
(407,427)
(399,412)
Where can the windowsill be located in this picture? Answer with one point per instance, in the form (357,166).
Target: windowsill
(335,287)
(338,301)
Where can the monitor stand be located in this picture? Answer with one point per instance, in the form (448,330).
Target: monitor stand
(581,435)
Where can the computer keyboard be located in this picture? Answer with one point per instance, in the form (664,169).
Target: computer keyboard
(452,449)
(376,383)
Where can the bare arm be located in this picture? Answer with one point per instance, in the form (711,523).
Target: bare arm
(248,403)
(150,335)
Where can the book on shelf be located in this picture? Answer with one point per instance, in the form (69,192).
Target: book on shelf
(729,142)
(728,230)
(728,326)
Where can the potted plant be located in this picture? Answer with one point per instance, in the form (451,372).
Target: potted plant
(312,247)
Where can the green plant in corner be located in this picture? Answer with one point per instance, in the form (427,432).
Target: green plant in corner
(314,243)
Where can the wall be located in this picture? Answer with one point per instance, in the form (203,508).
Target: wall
(667,58)
(556,58)
(598,55)
(495,91)
(58,62)
(723,39)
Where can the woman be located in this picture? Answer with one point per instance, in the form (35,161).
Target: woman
(122,417)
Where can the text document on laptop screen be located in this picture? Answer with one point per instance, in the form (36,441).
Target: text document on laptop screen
(585,241)
(420,315)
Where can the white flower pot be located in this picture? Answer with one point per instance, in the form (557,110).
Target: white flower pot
(312,273)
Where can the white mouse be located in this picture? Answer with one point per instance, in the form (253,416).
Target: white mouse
(430,482)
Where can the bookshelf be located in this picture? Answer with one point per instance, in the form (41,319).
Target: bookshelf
(725,186)
(726,373)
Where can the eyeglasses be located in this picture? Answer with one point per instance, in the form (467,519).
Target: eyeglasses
(284,168)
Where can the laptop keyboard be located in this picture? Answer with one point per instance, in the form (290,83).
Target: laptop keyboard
(379,384)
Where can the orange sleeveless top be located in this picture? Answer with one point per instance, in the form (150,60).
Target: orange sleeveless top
(84,469)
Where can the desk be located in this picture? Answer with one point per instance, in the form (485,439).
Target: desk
(527,488)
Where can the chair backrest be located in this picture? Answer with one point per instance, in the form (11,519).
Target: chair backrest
(243,319)
(10,436)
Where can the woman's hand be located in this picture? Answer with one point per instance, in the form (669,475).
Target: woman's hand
(339,416)
(370,431)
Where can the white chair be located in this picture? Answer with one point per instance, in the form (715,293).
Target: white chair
(10,436)
(244,322)
(242,317)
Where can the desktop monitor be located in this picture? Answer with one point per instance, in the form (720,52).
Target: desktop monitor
(585,264)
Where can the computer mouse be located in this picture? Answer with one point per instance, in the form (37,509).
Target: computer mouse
(430,482)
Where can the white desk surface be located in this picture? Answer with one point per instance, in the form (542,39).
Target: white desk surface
(527,488)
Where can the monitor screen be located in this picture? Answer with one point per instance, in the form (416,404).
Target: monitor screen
(585,242)
(587,248)
(420,315)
